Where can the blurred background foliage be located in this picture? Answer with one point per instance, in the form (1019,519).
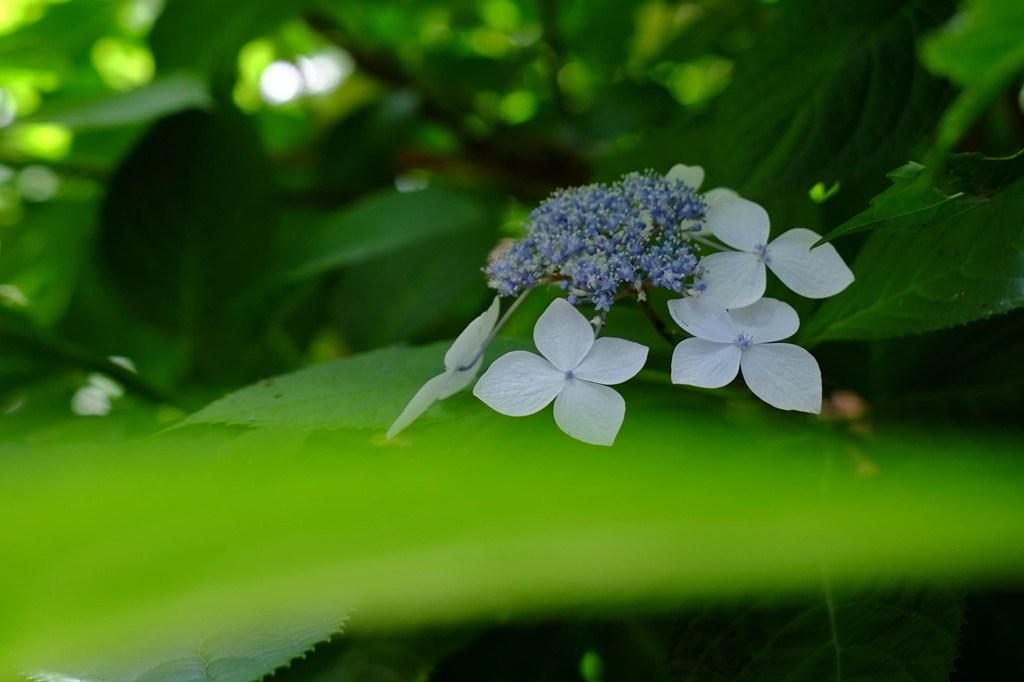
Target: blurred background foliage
(199,194)
(222,191)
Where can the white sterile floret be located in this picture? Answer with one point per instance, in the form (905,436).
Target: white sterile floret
(691,175)
(694,177)
(461,362)
(729,341)
(574,372)
(737,278)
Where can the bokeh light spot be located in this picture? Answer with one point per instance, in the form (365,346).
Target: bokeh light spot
(518,107)
(280,83)
(37,183)
(122,65)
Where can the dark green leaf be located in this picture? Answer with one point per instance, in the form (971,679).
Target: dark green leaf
(910,203)
(982,177)
(983,379)
(964,264)
(359,153)
(377,225)
(419,286)
(885,633)
(995,623)
(368,658)
(188,227)
(497,656)
(846,96)
(216,30)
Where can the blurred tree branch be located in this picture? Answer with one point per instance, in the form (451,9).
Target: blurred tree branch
(529,163)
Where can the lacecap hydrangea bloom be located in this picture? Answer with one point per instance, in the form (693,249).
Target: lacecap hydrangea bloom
(599,240)
(604,242)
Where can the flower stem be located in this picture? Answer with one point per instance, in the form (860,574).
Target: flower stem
(656,321)
(706,242)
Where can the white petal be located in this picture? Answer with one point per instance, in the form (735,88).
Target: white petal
(766,320)
(713,196)
(698,362)
(784,376)
(563,335)
(738,222)
(519,383)
(589,412)
(424,398)
(734,278)
(703,317)
(458,380)
(690,175)
(611,361)
(467,346)
(814,273)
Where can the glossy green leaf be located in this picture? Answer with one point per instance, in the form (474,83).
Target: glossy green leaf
(887,633)
(965,263)
(474,514)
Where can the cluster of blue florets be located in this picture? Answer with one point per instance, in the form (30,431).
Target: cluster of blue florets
(599,240)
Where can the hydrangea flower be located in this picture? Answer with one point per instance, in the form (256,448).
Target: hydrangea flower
(461,362)
(574,372)
(737,278)
(729,341)
(599,240)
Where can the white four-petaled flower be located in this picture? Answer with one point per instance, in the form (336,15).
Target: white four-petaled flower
(461,362)
(574,372)
(738,278)
(729,341)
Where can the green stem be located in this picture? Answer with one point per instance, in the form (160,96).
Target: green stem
(656,321)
